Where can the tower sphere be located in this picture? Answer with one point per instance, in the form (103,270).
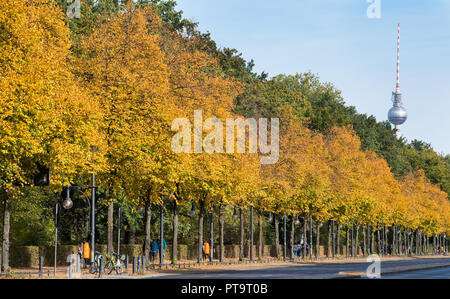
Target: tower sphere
(397,115)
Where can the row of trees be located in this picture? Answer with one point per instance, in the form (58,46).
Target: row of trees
(99,94)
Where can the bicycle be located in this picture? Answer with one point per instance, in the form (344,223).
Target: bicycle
(114,262)
(95,266)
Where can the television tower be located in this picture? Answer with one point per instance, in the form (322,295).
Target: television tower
(398,115)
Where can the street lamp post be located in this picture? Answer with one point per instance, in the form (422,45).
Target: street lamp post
(56,235)
(284,238)
(383,252)
(211,228)
(119,223)
(251,233)
(333,253)
(68,204)
(161,232)
(310,235)
(93,218)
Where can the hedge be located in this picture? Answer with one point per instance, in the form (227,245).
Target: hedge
(24,256)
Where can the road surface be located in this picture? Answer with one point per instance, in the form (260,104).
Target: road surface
(440,273)
(414,266)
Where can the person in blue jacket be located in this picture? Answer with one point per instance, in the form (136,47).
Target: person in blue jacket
(164,246)
(154,248)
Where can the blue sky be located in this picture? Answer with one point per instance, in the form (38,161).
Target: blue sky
(336,40)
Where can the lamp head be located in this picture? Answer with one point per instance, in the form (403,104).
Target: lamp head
(67,204)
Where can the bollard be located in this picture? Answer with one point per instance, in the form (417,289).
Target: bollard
(139,264)
(146,263)
(102,268)
(78,264)
(127,261)
(70,257)
(41,265)
(134,265)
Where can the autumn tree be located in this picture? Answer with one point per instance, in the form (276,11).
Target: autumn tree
(45,118)
(123,67)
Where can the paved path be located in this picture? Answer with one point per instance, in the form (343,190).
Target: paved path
(311,270)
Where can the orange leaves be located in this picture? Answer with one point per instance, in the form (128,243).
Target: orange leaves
(45,116)
(299,181)
(123,66)
(196,82)
(428,205)
(131,78)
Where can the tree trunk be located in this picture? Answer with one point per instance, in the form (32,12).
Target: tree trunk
(379,240)
(357,240)
(176,213)
(147,221)
(277,236)
(386,239)
(333,239)
(347,237)
(329,239)
(417,243)
(292,236)
(425,241)
(317,239)
(241,230)
(407,244)
(261,236)
(372,242)
(6,229)
(434,245)
(439,243)
(394,233)
(338,239)
(353,240)
(305,239)
(200,233)
(110,232)
(221,236)
(365,240)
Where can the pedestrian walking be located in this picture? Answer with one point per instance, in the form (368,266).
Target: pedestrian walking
(164,247)
(154,249)
(206,251)
(86,253)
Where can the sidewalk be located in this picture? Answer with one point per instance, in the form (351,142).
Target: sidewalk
(169,270)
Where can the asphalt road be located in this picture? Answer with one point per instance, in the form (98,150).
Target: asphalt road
(440,273)
(320,270)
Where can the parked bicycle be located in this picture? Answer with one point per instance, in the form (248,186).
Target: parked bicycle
(114,262)
(95,267)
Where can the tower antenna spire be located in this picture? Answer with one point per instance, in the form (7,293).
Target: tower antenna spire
(398,115)
(397,90)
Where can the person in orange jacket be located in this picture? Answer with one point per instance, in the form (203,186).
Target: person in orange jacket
(206,251)
(86,252)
